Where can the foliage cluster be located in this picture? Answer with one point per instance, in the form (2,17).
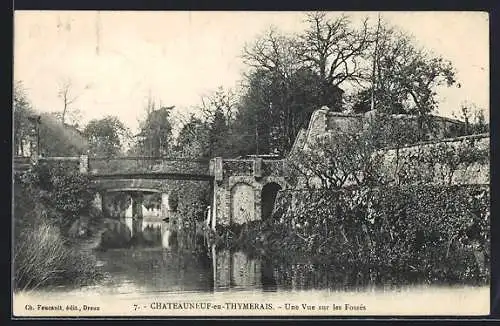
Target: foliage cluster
(192,202)
(105,136)
(47,201)
(64,192)
(414,234)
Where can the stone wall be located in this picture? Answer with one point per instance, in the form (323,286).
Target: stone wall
(324,121)
(396,160)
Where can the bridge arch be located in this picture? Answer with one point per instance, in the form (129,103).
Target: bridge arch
(268,196)
(272,179)
(135,190)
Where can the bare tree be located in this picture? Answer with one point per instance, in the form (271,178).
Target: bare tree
(225,101)
(335,49)
(65,94)
(275,52)
(336,160)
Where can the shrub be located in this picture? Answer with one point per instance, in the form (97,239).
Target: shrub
(432,231)
(41,258)
(65,193)
(426,233)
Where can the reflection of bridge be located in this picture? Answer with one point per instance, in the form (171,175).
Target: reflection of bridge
(242,190)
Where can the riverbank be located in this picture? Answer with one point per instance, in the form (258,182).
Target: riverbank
(46,203)
(44,258)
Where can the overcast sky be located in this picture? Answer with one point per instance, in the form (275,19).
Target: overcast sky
(115,59)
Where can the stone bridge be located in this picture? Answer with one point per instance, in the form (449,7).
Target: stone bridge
(242,190)
(149,168)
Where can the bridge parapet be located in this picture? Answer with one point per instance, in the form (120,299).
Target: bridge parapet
(237,167)
(123,165)
(273,167)
(257,167)
(69,162)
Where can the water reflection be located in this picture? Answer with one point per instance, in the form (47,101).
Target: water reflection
(153,232)
(165,260)
(236,270)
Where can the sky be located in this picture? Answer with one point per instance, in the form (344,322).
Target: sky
(116,60)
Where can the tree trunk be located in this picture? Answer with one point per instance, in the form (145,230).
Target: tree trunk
(64,112)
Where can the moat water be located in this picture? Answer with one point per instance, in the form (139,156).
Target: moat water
(168,268)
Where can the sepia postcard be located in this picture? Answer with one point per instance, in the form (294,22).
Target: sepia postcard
(185,163)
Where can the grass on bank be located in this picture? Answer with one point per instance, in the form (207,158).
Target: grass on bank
(42,258)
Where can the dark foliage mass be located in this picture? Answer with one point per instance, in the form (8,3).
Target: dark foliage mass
(62,189)
(398,234)
(48,199)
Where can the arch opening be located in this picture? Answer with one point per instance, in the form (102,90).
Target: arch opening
(268,198)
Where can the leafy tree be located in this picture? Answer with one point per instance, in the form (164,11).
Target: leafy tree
(256,116)
(104,136)
(22,125)
(272,113)
(220,144)
(155,137)
(407,75)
